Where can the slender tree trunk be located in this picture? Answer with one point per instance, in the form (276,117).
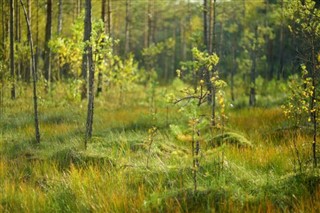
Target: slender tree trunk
(314,106)
(212,88)
(174,55)
(86,39)
(12,63)
(206,36)
(17,40)
(59,29)
(103,58)
(153,22)
(205,24)
(281,56)
(252,95)
(88,26)
(3,48)
(149,15)
(37,38)
(210,27)
(3,24)
(127,27)
(214,43)
(73,11)
(109,12)
(103,15)
(47,51)
(78,8)
(271,60)
(146,26)
(252,98)
(233,71)
(34,75)
(183,42)
(220,50)
(28,69)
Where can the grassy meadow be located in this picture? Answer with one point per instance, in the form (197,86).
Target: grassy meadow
(127,167)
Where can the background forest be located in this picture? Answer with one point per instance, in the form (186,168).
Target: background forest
(159,105)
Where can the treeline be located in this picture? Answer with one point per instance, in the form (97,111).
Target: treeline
(251,38)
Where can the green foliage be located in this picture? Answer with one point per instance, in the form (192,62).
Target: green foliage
(297,108)
(305,18)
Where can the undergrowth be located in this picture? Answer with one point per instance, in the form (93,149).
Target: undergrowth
(248,168)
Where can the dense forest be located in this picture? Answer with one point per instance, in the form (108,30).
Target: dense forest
(159,106)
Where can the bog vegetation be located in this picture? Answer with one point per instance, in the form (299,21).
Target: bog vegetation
(159,106)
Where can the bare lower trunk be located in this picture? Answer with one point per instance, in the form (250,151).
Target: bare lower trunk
(34,75)
(12,65)
(47,51)
(252,98)
(127,28)
(88,27)
(59,18)
(86,38)
(314,107)
(233,71)
(281,55)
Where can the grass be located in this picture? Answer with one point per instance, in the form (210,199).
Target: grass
(58,175)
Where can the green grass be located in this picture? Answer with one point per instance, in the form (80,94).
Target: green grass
(251,169)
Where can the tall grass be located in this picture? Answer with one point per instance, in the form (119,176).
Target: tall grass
(112,174)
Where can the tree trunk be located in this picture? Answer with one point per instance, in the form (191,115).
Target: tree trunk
(252,99)
(149,15)
(109,18)
(3,47)
(47,51)
(281,56)
(271,60)
(12,65)
(78,8)
(37,38)
(206,36)
(3,24)
(210,27)
(127,27)
(34,75)
(146,28)
(86,39)
(153,22)
(233,71)
(59,29)
(88,26)
(205,24)
(103,15)
(103,18)
(17,40)
(314,105)
(28,69)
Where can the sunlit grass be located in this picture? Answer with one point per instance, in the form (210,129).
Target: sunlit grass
(112,175)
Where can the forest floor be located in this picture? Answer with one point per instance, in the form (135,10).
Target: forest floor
(129,167)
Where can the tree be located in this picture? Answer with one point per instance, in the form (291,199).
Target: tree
(12,65)
(85,55)
(59,17)
(89,55)
(127,27)
(47,51)
(109,20)
(103,18)
(34,76)
(305,27)
(17,41)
